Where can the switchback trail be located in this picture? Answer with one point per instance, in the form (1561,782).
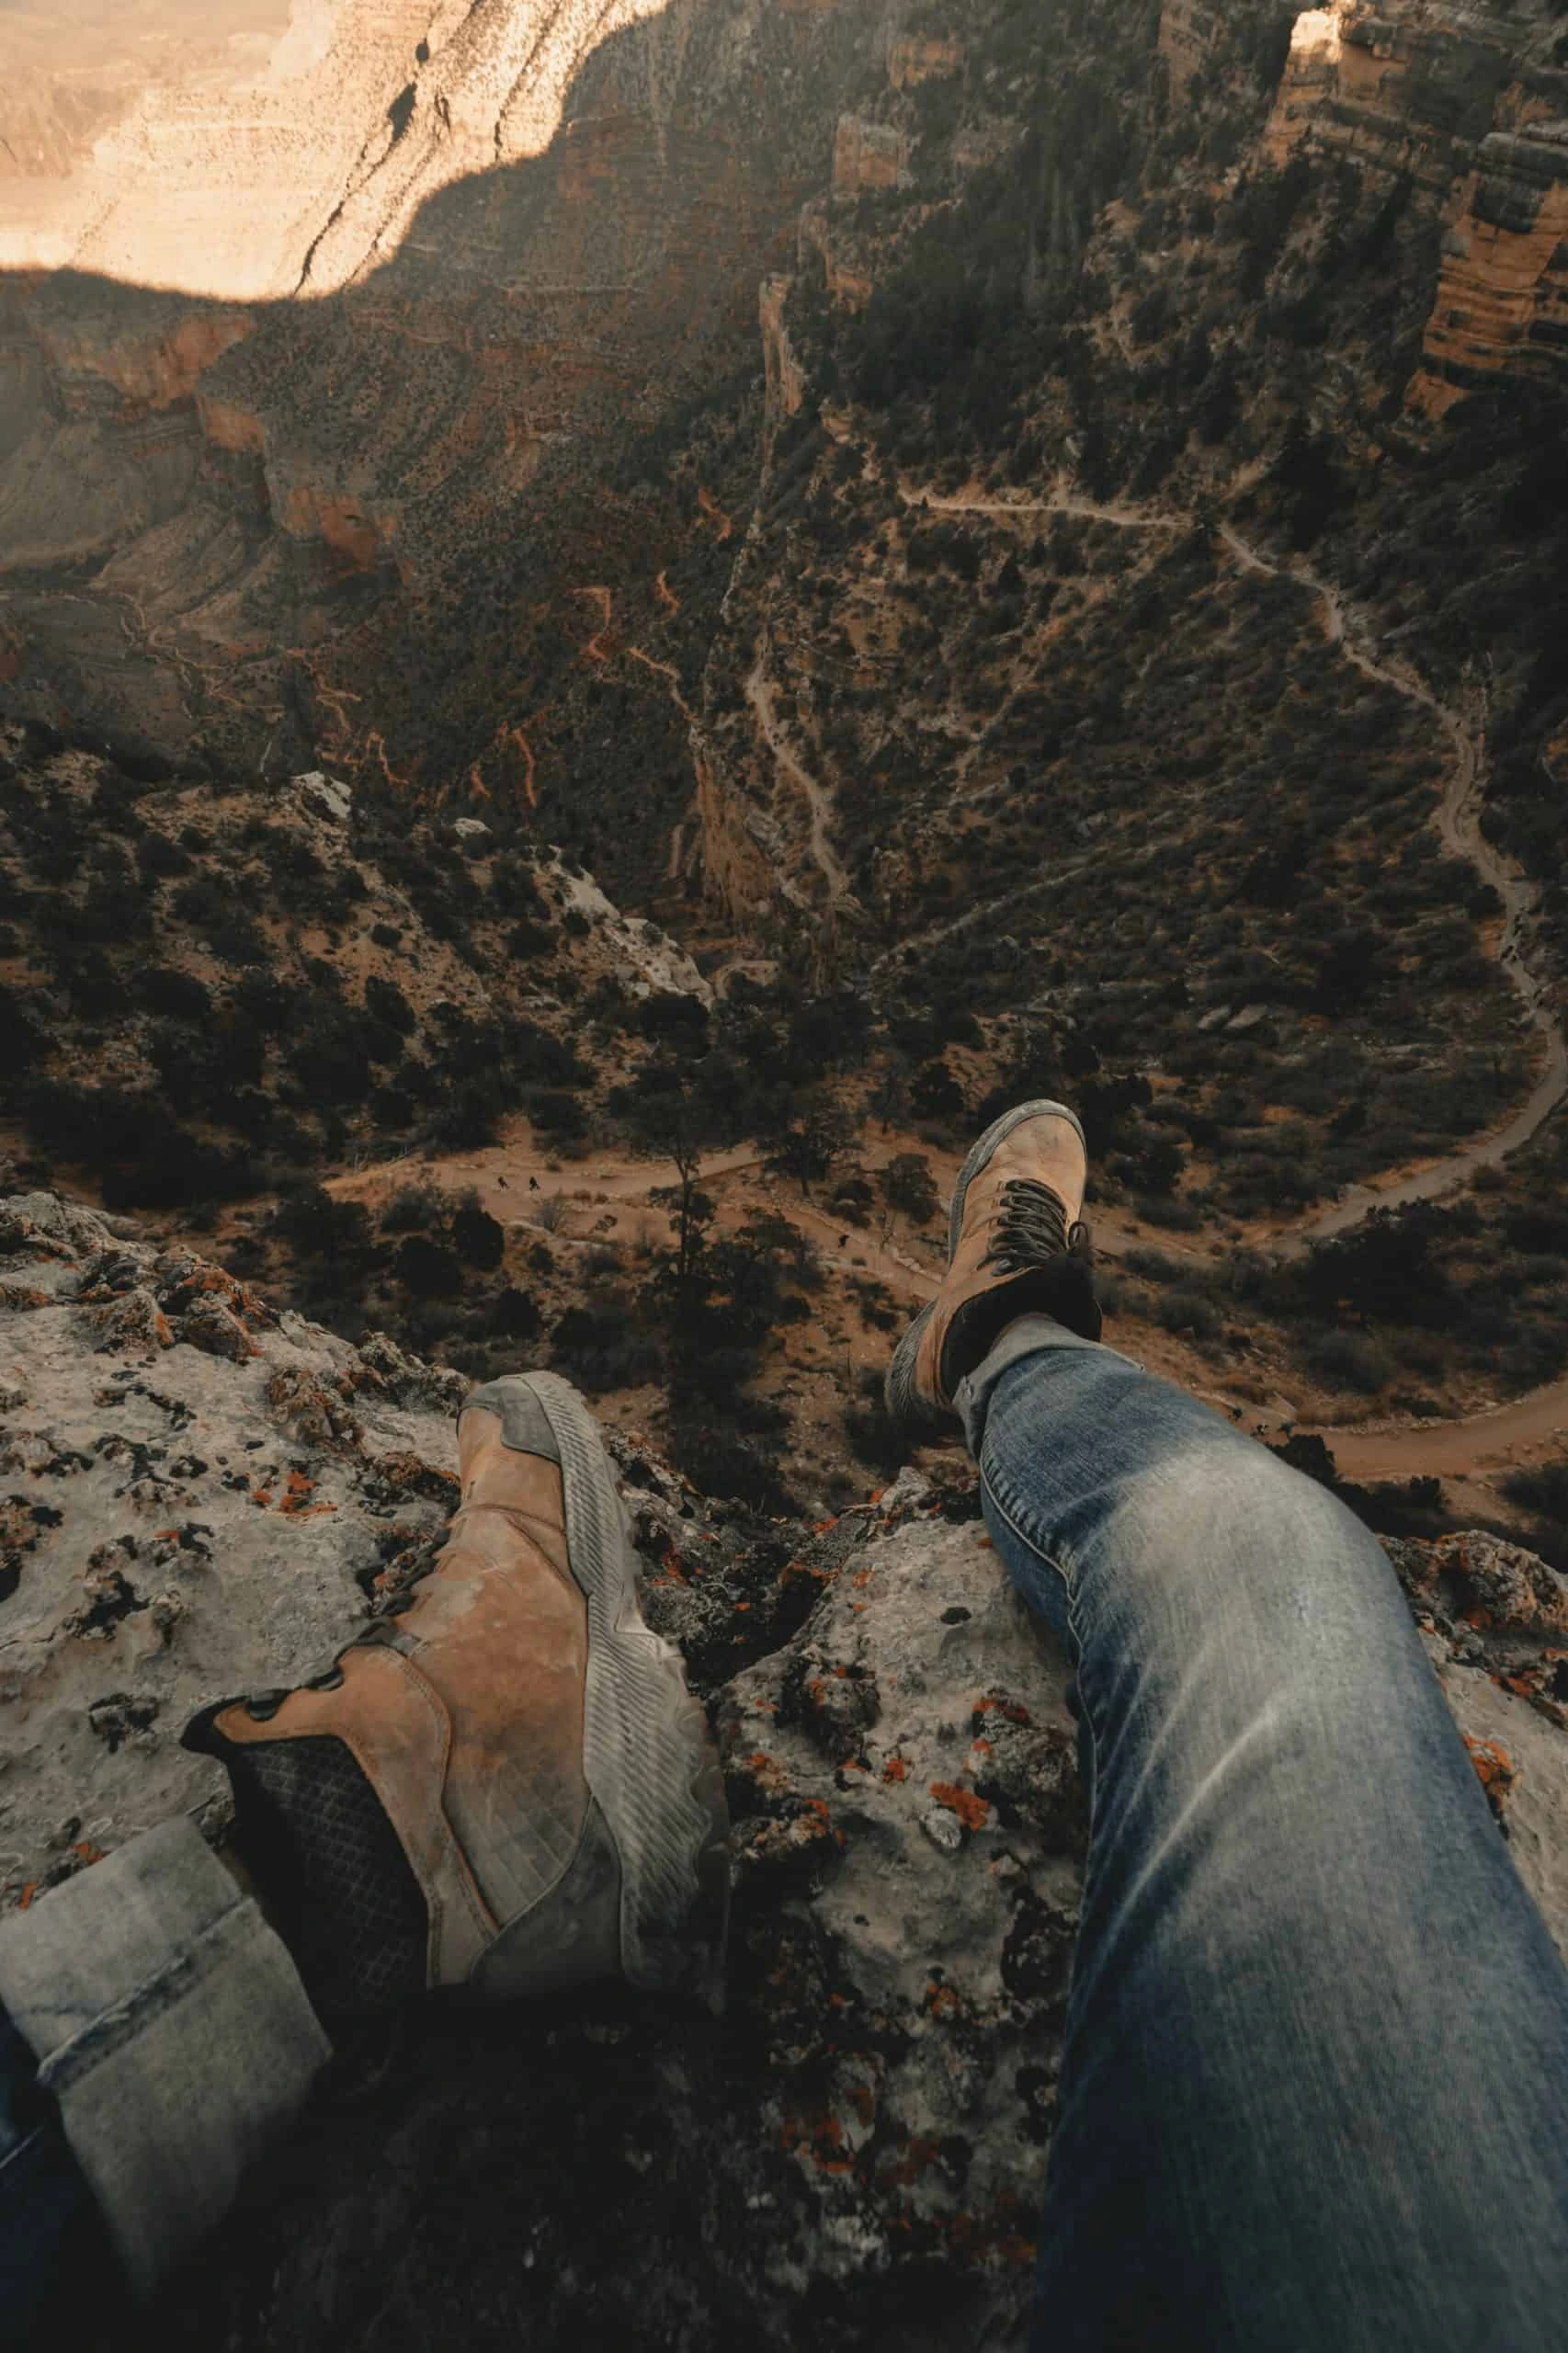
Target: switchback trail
(1451,1448)
(760,693)
(1458,819)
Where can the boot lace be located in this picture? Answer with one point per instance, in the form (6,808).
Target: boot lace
(1031,1228)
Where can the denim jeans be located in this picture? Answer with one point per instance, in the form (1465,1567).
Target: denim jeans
(1313,2094)
(55,2260)
(154,2039)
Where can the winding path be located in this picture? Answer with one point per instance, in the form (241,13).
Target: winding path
(1458,823)
(1449,1447)
(818,800)
(1457,819)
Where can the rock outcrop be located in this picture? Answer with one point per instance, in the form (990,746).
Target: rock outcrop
(783,373)
(1188,32)
(308,326)
(913,58)
(1461,105)
(1408,87)
(199,1492)
(202,1496)
(1502,303)
(867,156)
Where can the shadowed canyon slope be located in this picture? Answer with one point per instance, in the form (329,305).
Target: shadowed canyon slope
(330,334)
(320,323)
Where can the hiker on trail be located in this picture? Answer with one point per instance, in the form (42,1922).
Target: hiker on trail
(1311,2090)
(533,1184)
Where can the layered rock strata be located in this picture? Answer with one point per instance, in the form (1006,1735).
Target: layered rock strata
(1502,301)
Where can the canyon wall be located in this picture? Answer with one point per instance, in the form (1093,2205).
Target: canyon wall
(346,306)
(356,306)
(1470,107)
(1502,303)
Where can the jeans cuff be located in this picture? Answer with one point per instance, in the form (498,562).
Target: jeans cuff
(1025,1336)
(172,2029)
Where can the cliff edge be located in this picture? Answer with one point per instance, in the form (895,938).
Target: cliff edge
(201,1495)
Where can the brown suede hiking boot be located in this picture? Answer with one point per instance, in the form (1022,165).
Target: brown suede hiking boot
(507,1787)
(1014,1247)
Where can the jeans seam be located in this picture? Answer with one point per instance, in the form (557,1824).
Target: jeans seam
(1025,1537)
(1071,1591)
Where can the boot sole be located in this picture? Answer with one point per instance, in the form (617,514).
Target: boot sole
(648,1756)
(904,1402)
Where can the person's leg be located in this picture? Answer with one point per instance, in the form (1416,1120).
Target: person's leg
(58,2271)
(1313,2093)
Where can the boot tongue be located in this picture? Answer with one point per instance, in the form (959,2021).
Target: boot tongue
(1029,1227)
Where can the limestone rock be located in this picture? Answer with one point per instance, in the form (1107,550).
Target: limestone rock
(858,2149)
(325,796)
(1495,1621)
(211,1326)
(867,155)
(192,1508)
(918,1897)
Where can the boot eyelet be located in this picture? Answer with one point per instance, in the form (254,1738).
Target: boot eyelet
(262,1706)
(331,1681)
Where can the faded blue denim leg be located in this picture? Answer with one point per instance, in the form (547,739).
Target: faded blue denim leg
(52,2239)
(156,2041)
(1314,2088)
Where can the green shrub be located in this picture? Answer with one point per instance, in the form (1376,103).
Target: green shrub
(1187,1310)
(1541,1489)
(1348,1359)
(477,1237)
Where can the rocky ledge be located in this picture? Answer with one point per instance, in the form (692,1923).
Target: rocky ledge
(201,1494)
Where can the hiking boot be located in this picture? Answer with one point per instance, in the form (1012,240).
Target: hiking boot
(1016,1246)
(507,1787)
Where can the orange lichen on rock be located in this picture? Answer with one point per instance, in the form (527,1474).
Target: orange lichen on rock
(296,1498)
(972,1810)
(22,1297)
(819,2138)
(1496,1769)
(306,1405)
(920,2155)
